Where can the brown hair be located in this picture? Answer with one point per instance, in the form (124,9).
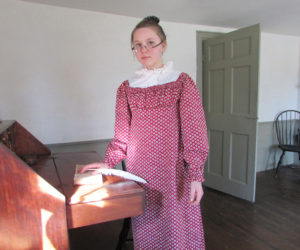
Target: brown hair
(150,21)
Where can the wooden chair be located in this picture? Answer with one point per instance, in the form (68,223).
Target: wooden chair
(287,125)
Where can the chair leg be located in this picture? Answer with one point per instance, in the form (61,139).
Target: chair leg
(279,162)
(124,233)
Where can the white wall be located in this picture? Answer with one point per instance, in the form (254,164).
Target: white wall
(298,85)
(279,75)
(60,68)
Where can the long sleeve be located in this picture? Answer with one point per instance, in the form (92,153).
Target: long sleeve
(193,129)
(117,148)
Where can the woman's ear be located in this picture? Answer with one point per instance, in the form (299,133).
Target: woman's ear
(164,46)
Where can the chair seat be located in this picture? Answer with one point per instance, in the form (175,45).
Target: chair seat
(291,148)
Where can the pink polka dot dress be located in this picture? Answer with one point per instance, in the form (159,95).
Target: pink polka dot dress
(161,132)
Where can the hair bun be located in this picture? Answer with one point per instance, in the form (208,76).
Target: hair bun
(152,19)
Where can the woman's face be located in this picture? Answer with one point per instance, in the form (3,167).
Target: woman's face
(144,40)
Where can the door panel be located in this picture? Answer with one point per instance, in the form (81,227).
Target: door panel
(216,91)
(239,162)
(217,139)
(230,89)
(241,89)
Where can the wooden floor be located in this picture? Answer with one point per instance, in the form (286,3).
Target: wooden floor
(272,222)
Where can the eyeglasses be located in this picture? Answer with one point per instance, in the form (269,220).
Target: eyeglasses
(148,46)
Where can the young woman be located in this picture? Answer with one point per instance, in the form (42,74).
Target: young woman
(160,129)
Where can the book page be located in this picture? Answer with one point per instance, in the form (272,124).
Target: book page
(87,177)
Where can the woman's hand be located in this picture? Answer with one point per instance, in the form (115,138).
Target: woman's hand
(196,193)
(93,166)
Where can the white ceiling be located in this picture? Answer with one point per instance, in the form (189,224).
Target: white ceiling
(275,16)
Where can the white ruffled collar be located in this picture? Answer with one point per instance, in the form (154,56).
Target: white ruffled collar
(144,77)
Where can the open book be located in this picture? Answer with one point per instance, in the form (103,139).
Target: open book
(87,177)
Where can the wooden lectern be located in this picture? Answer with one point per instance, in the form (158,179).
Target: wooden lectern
(39,202)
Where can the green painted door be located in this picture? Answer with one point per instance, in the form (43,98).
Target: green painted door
(230,95)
